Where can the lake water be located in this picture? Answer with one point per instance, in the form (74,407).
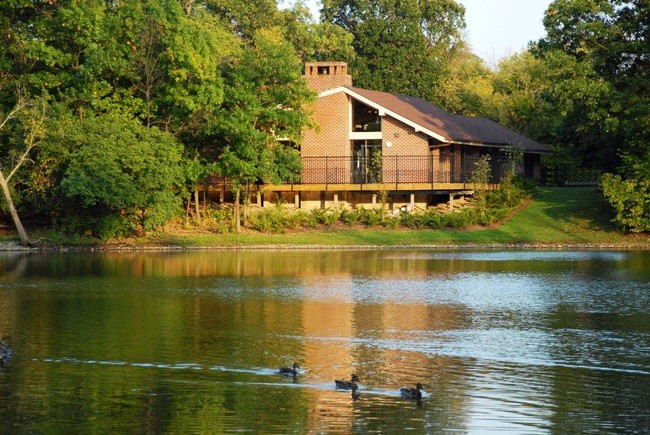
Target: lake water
(190,342)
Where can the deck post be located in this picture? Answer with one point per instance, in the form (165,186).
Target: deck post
(451,201)
(412,201)
(336,200)
(374,201)
(259,199)
(296,199)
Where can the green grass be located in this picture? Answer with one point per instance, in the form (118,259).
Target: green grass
(557,216)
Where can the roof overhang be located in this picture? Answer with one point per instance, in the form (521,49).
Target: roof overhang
(384,111)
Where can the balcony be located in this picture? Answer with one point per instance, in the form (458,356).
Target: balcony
(422,172)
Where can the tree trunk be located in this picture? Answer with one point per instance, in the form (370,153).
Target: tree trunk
(237,217)
(24,239)
(197,206)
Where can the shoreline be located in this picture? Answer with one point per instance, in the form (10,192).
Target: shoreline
(126,248)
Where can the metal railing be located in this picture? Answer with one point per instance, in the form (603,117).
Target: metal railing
(390,169)
(419,169)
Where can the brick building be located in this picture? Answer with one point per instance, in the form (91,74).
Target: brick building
(370,143)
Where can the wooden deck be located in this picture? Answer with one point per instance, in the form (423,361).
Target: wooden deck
(374,187)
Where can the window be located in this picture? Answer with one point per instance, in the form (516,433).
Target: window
(364,117)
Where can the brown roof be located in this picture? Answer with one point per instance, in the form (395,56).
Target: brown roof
(454,128)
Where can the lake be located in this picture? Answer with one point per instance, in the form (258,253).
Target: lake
(191,342)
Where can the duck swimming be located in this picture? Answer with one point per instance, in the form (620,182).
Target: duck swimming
(347,385)
(412,393)
(5,354)
(289,371)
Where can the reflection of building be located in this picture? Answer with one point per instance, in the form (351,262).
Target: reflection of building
(369,334)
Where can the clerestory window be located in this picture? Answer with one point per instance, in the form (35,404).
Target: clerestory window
(364,117)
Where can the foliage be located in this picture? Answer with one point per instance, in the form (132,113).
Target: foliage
(480,178)
(27,120)
(610,37)
(316,41)
(401,46)
(325,216)
(557,100)
(630,200)
(120,177)
(265,100)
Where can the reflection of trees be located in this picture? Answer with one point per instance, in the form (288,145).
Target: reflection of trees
(251,310)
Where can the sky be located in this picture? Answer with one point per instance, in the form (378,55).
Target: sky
(495,28)
(500,28)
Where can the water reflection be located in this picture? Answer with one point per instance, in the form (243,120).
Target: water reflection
(190,342)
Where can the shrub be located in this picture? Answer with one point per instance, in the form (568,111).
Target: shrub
(270,220)
(371,218)
(433,219)
(325,216)
(411,220)
(630,200)
(219,221)
(462,218)
(350,216)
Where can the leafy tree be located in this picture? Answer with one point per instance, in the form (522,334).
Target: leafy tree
(480,178)
(121,176)
(246,17)
(316,41)
(28,125)
(630,199)
(612,37)
(401,46)
(467,87)
(557,100)
(265,101)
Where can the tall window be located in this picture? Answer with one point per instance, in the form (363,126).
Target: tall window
(364,117)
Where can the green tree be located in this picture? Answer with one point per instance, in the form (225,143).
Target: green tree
(480,178)
(121,177)
(265,101)
(612,37)
(401,46)
(27,120)
(316,41)
(558,100)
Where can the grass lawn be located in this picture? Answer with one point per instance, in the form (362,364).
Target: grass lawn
(557,216)
(573,216)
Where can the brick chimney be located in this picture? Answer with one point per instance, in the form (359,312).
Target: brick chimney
(326,75)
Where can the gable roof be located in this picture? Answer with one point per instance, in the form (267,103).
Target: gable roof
(437,123)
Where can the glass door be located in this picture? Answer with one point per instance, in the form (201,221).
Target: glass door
(366,161)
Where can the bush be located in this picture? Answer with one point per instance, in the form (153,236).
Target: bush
(349,216)
(630,200)
(462,218)
(121,177)
(269,220)
(219,221)
(411,220)
(325,216)
(433,219)
(371,218)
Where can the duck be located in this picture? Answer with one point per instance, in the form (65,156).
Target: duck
(289,371)
(347,385)
(412,393)
(5,354)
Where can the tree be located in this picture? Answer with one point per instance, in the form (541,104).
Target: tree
(560,101)
(316,41)
(30,130)
(121,177)
(611,36)
(401,46)
(265,101)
